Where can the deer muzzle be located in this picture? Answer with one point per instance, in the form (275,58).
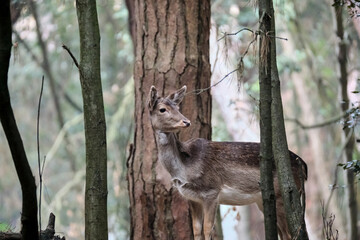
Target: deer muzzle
(183,124)
(187,123)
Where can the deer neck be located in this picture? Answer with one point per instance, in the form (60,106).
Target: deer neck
(169,153)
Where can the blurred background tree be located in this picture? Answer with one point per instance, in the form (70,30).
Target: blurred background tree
(307,64)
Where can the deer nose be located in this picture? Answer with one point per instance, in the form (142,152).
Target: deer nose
(187,123)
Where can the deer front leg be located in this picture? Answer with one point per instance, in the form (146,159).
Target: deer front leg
(210,207)
(197,217)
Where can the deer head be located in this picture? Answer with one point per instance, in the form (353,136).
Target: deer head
(164,112)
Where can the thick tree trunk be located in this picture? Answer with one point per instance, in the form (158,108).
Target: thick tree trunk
(171,49)
(96,226)
(266,153)
(289,192)
(349,147)
(29,202)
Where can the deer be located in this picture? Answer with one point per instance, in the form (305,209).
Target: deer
(209,173)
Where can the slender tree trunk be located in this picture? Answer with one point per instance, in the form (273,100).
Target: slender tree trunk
(349,147)
(266,154)
(289,192)
(96,226)
(171,49)
(316,157)
(130,5)
(29,202)
(54,87)
(46,65)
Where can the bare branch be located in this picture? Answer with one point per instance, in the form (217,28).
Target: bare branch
(323,124)
(235,33)
(46,63)
(281,38)
(198,91)
(27,47)
(239,68)
(334,185)
(35,58)
(71,55)
(38,148)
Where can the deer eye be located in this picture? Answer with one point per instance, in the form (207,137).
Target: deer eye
(162,110)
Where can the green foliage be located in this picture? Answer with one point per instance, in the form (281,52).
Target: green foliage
(352,6)
(353,165)
(4,227)
(353,119)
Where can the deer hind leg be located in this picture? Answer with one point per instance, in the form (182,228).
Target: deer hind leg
(281,220)
(282,228)
(210,207)
(197,217)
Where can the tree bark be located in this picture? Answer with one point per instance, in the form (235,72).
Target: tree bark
(96,226)
(266,153)
(289,192)
(171,49)
(29,202)
(345,104)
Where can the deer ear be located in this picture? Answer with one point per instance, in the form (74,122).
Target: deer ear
(153,96)
(177,96)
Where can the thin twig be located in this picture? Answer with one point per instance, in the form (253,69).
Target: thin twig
(281,38)
(35,58)
(261,19)
(323,124)
(198,91)
(248,47)
(27,47)
(348,137)
(46,63)
(240,65)
(235,33)
(71,55)
(328,232)
(38,147)
(250,30)
(216,56)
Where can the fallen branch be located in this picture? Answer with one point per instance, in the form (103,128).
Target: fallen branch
(47,234)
